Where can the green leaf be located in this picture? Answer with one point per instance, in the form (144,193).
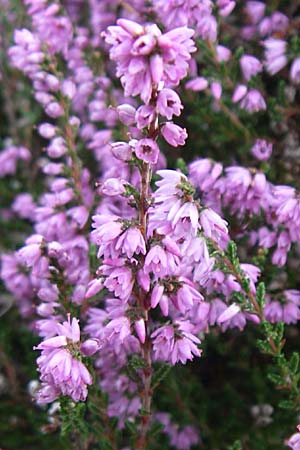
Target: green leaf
(275,378)
(261,294)
(246,284)
(231,253)
(294,362)
(237,445)
(264,346)
(286,404)
(160,374)
(181,164)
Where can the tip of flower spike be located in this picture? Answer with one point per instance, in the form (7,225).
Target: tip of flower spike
(131,27)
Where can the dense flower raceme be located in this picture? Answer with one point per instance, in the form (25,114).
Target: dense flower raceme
(62,371)
(145,56)
(247,192)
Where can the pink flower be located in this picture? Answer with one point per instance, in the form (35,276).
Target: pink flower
(145,115)
(140,330)
(145,56)
(147,150)
(60,370)
(174,134)
(216,90)
(239,92)
(126,114)
(131,241)
(253,101)
(255,10)
(121,151)
(294,441)
(275,54)
(262,149)
(197,84)
(250,66)
(229,313)
(295,71)
(168,103)
(213,225)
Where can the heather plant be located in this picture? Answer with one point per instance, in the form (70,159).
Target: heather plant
(150,215)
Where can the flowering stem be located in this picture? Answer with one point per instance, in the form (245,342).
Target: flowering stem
(251,297)
(146,393)
(274,345)
(76,172)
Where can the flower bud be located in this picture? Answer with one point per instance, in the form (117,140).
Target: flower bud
(126,114)
(90,346)
(140,329)
(121,150)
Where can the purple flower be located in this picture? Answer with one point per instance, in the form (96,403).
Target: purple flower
(225,7)
(250,66)
(216,90)
(174,134)
(253,101)
(60,369)
(223,53)
(145,115)
(275,54)
(197,84)
(294,441)
(255,10)
(140,330)
(168,103)
(47,130)
(54,110)
(126,114)
(213,225)
(295,71)
(119,279)
(112,187)
(131,241)
(229,313)
(145,56)
(239,92)
(147,150)
(118,328)
(121,151)
(262,149)
(280,21)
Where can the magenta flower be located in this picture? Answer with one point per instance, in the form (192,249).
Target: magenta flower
(168,103)
(145,56)
(239,92)
(250,66)
(213,226)
(147,150)
(145,115)
(262,149)
(255,10)
(131,241)
(121,151)
(197,84)
(61,370)
(216,90)
(295,71)
(126,114)
(253,101)
(174,134)
(229,313)
(294,441)
(275,54)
